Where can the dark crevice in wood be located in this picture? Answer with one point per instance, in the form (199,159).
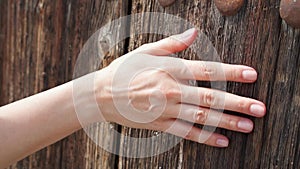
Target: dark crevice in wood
(128,27)
(296,159)
(126,50)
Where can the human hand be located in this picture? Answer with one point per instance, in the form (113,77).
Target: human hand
(144,89)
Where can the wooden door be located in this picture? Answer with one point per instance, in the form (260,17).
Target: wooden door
(41,39)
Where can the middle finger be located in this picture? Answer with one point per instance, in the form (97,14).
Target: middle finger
(216,99)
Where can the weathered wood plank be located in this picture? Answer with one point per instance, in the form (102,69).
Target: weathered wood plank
(171,158)
(256,37)
(42,40)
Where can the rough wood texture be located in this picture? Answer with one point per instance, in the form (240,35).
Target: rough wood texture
(257,37)
(41,40)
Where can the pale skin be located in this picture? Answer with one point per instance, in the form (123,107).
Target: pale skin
(33,123)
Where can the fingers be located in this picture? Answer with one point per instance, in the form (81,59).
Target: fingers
(170,45)
(190,132)
(211,117)
(211,98)
(215,71)
(197,70)
(208,71)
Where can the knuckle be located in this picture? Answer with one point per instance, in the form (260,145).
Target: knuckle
(232,74)
(210,99)
(173,93)
(242,105)
(214,99)
(236,74)
(209,72)
(201,116)
(231,124)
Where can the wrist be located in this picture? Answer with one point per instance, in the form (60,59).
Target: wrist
(103,94)
(85,98)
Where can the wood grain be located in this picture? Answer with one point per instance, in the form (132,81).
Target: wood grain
(256,37)
(40,44)
(42,39)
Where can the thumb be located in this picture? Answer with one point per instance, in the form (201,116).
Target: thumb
(170,45)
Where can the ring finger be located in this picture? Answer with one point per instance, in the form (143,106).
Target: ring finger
(211,117)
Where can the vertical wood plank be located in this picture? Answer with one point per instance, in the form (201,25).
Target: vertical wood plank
(43,38)
(173,157)
(256,37)
(42,41)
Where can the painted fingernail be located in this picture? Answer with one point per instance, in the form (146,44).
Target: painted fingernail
(249,75)
(245,125)
(186,35)
(222,142)
(257,109)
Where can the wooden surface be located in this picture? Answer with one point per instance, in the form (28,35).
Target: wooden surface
(40,41)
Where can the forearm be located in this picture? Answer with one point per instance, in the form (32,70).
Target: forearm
(35,122)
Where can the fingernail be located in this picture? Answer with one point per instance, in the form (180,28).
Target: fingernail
(187,34)
(222,142)
(257,109)
(249,75)
(245,125)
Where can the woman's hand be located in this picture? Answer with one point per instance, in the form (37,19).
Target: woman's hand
(145,89)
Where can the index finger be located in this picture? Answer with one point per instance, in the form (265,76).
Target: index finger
(215,71)
(206,71)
